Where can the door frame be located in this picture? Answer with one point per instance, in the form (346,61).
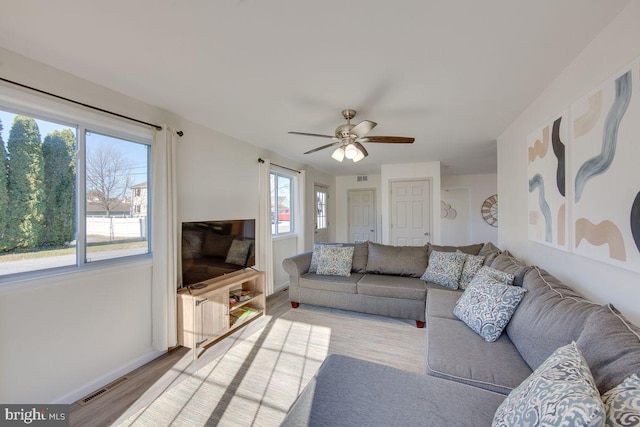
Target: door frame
(375,207)
(390,207)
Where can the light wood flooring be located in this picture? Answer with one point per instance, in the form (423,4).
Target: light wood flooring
(108,407)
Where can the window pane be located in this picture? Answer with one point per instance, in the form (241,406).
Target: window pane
(117,199)
(321,206)
(37,194)
(284,204)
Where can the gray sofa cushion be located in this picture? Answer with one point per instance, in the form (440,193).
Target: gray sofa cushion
(455,352)
(397,260)
(392,287)
(441,302)
(510,264)
(352,392)
(489,251)
(468,249)
(319,282)
(611,346)
(550,315)
(360,256)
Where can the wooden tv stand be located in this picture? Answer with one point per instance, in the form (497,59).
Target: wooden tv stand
(206,315)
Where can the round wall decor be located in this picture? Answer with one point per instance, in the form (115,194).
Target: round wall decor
(489,210)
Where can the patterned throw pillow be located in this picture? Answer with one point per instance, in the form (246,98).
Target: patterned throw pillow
(622,403)
(444,269)
(491,273)
(335,260)
(472,264)
(238,252)
(561,392)
(315,256)
(487,305)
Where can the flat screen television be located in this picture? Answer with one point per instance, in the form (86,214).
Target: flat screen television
(215,248)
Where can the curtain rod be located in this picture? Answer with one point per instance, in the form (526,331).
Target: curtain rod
(102,110)
(260,160)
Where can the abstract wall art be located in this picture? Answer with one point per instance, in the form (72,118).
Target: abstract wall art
(605,160)
(547,183)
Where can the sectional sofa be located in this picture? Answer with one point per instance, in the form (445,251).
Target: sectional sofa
(467,379)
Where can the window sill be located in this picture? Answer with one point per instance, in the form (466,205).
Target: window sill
(40,279)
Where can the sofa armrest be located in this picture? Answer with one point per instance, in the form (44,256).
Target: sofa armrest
(297,265)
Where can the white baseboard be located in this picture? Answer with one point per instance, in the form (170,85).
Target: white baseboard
(281,287)
(106,379)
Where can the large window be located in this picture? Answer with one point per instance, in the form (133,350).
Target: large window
(69,196)
(282,209)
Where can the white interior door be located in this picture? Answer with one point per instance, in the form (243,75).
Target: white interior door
(321,232)
(410,213)
(362,215)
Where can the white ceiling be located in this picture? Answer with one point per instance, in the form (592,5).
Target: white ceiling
(451,73)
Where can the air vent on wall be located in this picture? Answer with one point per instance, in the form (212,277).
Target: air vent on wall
(362,178)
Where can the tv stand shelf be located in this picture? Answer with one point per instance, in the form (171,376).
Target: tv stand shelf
(206,315)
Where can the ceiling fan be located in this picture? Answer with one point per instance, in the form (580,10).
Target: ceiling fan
(349,138)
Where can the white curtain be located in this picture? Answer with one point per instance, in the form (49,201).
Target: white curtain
(164,239)
(301,215)
(264,246)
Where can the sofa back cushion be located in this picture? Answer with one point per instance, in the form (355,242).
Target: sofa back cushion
(397,260)
(611,346)
(489,251)
(550,315)
(509,264)
(360,256)
(216,245)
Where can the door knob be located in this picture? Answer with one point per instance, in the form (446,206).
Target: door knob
(426,233)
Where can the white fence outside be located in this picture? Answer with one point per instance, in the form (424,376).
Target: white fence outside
(117,228)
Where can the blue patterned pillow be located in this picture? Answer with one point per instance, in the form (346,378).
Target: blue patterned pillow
(335,260)
(491,273)
(561,392)
(622,403)
(486,306)
(472,264)
(444,269)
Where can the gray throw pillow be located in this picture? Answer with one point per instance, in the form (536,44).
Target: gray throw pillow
(397,260)
(487,306)
(509,264)
(622,403)
(561,392)
(444,269)
(238,252)
(472,264)
(611,346)
(468,249)
(360,256)
(335,260)
(489,251)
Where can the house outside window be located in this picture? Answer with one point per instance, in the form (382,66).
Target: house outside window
(65,194)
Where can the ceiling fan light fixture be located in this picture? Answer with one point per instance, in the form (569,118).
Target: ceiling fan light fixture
(351,151)
(338,154)
(359,157)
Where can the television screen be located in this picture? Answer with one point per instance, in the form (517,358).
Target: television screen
(214,248)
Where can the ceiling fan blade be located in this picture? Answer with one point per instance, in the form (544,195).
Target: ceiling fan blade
(312,134)
(323,147)
(362,128)
(388,139)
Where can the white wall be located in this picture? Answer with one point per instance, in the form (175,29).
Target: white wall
(411,171)
(64,336)
(480,187)
(616,46)
(341,201)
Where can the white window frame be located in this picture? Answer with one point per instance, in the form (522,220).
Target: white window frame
(292,202)
(46,109)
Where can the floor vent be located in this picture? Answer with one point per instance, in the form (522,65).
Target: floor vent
(362,178)
(85,400)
